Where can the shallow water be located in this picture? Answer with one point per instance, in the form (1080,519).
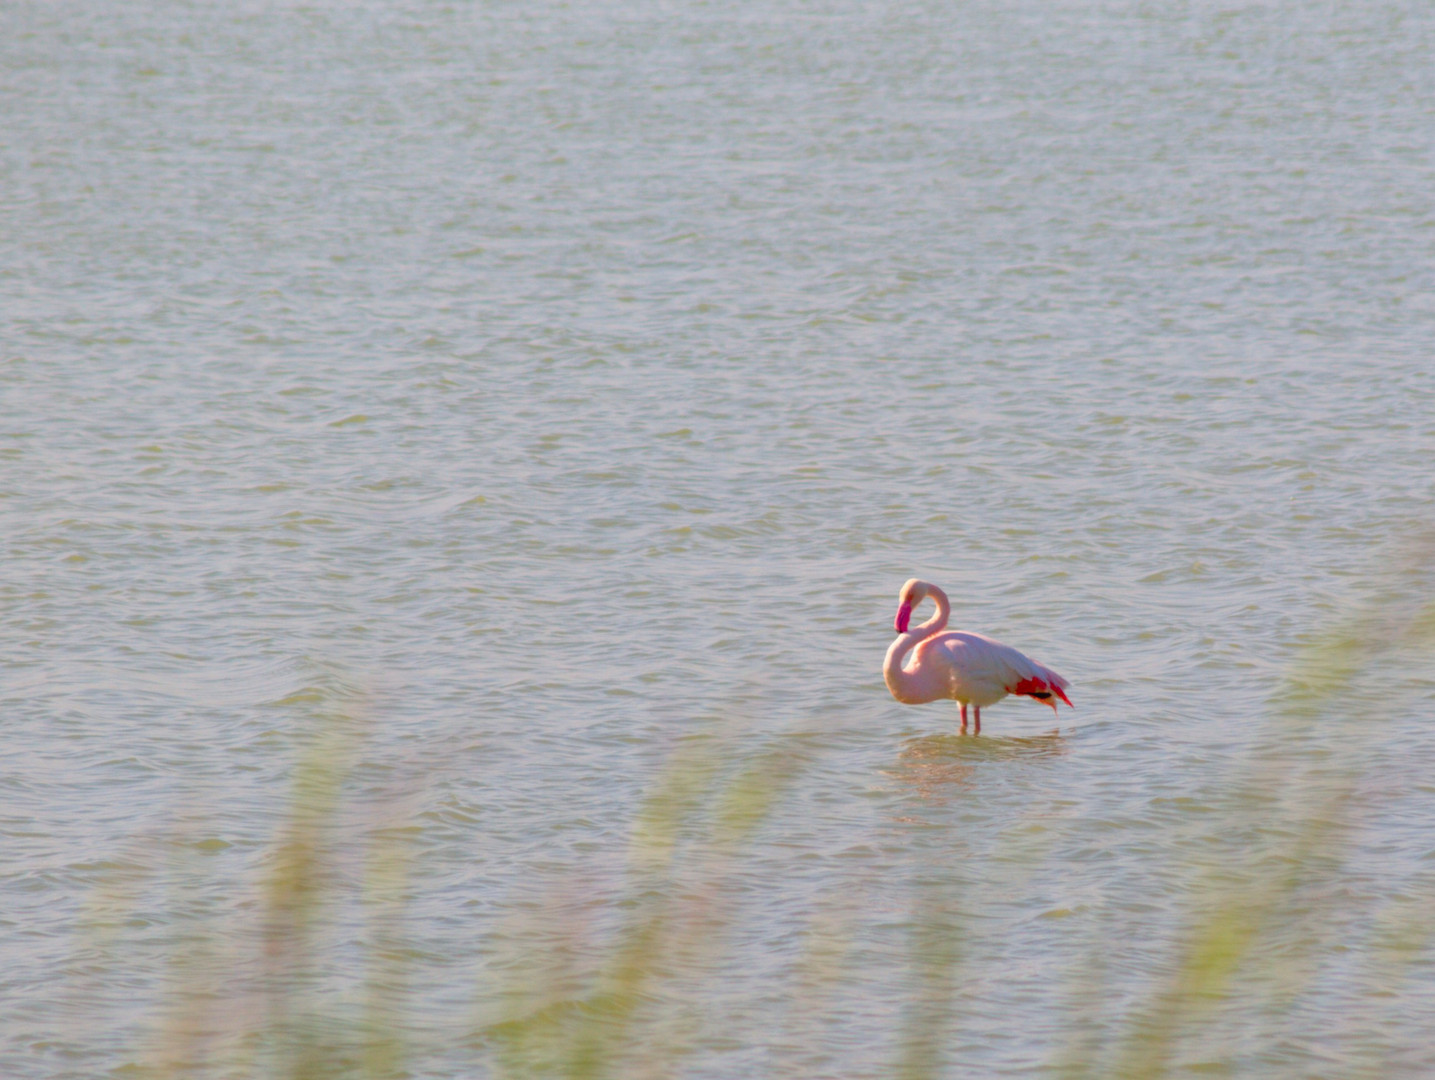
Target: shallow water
(557,388)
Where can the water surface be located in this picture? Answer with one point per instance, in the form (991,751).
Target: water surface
(556,387)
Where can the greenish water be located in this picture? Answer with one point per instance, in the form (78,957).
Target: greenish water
(561,394)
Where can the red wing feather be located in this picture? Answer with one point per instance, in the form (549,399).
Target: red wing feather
(1031,686)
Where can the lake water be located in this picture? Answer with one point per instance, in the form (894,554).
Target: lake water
(565,390)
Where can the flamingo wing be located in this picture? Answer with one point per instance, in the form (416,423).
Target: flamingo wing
(999,669)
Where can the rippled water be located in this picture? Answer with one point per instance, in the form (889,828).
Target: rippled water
(557,385)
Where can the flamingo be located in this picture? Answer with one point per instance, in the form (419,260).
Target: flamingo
(972,668)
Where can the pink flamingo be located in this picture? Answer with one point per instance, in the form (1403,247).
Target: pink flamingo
(973,669)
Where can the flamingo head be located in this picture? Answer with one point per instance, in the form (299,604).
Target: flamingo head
(912,594)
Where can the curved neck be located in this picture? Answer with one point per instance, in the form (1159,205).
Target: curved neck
(938,621)
(902,683)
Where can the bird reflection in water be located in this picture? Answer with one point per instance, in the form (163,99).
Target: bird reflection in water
(937,767)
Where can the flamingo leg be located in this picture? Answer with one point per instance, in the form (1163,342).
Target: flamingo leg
(964,716)
(977,709)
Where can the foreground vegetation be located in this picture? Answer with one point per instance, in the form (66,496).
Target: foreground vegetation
(1260,932)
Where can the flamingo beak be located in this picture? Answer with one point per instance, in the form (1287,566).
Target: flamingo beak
(904,616)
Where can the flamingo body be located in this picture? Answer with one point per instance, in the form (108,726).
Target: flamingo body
(972,669)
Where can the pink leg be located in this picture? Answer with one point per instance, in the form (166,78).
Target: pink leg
(964,716)
(977,709)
